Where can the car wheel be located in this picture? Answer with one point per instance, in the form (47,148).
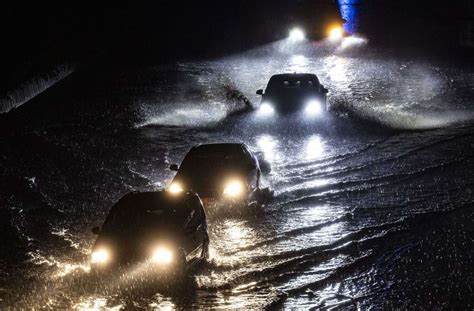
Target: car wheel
(265,196)
(180,262)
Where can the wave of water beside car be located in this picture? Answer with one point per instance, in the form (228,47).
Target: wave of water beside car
(355,208)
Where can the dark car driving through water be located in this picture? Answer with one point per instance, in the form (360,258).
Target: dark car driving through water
(225,174)
(164,231)
(290,93)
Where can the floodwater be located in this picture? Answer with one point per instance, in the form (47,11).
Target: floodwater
(373,199)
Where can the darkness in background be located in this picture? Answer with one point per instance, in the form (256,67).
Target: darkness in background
(38,36)
(422,24)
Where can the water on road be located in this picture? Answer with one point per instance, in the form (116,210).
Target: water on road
(373,200)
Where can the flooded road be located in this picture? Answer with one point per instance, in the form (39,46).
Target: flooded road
(373,200)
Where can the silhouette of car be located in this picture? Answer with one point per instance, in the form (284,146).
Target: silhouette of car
(316,19)
(293,92)
(164,231)
(224,174)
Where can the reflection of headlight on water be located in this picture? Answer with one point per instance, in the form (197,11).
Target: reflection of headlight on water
(233,189)
(100,256)
(162,255)
(268,145)
(265,109)
(296,34)
(314,149)
(175,188)
(313,108)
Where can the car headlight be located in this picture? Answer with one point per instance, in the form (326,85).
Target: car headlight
(313,108)
(265,109)
(100,256)
(296,34)
(335,33)
(175,188)
(162,255)
(233,189)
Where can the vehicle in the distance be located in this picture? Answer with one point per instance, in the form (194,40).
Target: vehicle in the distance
(293,93)
(223,174)
(165,232)
(317,20)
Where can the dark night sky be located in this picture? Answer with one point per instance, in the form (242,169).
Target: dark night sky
(37,35)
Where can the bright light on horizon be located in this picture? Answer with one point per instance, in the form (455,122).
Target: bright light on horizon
(296,34)
(336,33)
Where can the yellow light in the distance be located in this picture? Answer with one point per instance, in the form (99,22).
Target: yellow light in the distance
(335,32)
(175,188)
(233,188)
(100,256)
(162,255)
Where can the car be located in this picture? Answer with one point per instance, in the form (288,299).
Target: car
(165,232)
(293,92)
(316,20)
(223,174)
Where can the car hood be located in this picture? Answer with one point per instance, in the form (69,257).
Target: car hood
(207,181)
(126,245)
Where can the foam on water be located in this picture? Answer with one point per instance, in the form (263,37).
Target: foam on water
(398,94)
(190,115)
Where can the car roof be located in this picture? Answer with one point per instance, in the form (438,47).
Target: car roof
(220,147)
(293,77)
(210,157)
(138,209)
(149,201)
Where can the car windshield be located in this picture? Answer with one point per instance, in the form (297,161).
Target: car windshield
(145,211)
(289,84)
(206,166)
(216,158)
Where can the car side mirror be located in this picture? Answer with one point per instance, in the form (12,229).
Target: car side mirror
(259,92)
(174,167)
(96,230)
(325,90)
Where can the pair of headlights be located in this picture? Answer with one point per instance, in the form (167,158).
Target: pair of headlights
(232,189)
(161,255)
(334,32)
(313,108)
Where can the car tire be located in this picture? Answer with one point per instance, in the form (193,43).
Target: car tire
(264,196)
(181,265)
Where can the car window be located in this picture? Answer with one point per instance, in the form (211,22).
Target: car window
(134,212)
(193,161)
(280,84)
(292,83)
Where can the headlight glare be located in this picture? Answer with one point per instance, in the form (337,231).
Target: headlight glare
(296,34)
(100,256)
(233,189)
(162,255)
(175,188)
(265,109)
(313,108)
(335,33)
